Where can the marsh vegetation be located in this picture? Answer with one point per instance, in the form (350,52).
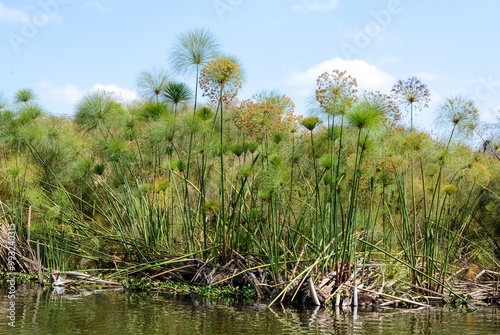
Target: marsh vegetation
(144,187)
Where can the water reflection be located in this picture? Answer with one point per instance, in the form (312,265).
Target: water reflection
(104,312)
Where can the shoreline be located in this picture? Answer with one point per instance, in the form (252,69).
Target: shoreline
(474,292)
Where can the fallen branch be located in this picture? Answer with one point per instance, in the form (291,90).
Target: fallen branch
(390,296)
(172,270)
(82,276)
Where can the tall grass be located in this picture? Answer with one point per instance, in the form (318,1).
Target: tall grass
(111,187)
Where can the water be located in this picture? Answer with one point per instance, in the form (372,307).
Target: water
(118,312)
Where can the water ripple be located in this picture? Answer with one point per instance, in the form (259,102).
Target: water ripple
(108,313)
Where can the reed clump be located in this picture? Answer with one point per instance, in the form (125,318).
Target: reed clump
(146,186)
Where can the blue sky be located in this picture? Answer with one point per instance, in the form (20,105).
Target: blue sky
(63,48)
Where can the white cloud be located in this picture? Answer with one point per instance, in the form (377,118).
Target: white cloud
(122,94)
(57,99)
(315,5)
(95,5)
(13,14)
(369,77)
(61,100)
(39,18)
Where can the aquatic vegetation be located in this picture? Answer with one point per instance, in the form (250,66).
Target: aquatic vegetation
(151,83)
(411,92)
(248,188)
(192,50)
(177,93)
(268,114)
(336,92)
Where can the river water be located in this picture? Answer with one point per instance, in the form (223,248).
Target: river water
(120,312)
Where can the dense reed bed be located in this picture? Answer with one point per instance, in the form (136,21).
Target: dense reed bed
(140,187)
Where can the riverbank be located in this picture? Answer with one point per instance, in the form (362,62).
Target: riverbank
(372,288)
